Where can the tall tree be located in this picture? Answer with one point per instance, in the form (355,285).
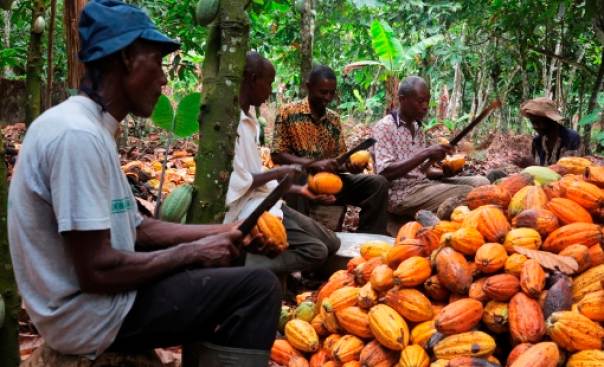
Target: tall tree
(593,100)
(308,37)
(50,68)
(35,62)
(9,331)
(226,47)
(71,17)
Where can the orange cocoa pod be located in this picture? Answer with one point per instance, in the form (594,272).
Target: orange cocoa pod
(490,257)
(453,271)
(328,288)
(501,287)
(488,195)
(595,175)
(573,331)
(413,271)
(459,316)
(354,262)
(587,234)
(516,352)
(410,303)
(352,364)
(368,297)
(586,358)
(522,237)
(574,165)
(553,190)
(545,354)
(470,344)
(382,278)
(592,305)
(320,358)
(330,341)
(388,327)
(532,278)
(362,273)
(317,324)
(301,335)
(526,319)
(445,226)
(459,213)
(407,249)
(568,211)
(407,231)
(496,317)
(490,221)
(375,355)
(529,197)
(435,290)
(347,348)
(476,292)
(414,356)
(355,321)
(541,220)
(596,255)
(429,239)
(371,249)
(583,193)
(282,351)
(513,183)
(298,361)
(344,297)
(422,333)
(581,254)
(466,240)
(514,263)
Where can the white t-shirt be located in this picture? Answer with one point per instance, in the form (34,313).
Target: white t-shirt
(68,178)
(240,200)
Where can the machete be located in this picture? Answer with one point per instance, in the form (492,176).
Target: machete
(487,111)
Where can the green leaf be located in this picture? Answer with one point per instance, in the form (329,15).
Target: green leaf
(421,46)
(591,118)
(187,114)
(385,44)
(163,113)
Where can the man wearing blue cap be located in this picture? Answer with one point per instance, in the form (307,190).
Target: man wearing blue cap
(94,275)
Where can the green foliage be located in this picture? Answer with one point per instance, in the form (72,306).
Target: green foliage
(182,124)
(387,47)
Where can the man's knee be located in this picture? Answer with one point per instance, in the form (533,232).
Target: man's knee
(333,244)
(265,282)
(379,183)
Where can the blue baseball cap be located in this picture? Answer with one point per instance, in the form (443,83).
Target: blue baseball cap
(107,26)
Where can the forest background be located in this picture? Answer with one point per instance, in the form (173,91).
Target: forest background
(469,51)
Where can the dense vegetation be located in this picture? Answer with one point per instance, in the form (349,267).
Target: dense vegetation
(470,51)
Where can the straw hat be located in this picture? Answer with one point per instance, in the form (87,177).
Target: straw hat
(543,107)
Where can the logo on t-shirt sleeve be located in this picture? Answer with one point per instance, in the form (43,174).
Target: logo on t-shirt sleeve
(121,205)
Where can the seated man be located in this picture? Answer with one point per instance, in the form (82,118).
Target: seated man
(308,133)
(553,140)
(402,156)
(309,242)
(94,274)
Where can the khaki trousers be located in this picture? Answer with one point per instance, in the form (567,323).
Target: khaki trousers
(430,195)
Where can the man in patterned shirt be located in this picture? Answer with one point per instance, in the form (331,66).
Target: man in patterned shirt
(307,131)
(403,157)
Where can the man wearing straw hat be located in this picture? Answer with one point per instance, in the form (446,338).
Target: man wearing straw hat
(553,140)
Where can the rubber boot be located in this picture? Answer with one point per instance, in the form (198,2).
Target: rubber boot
(211,355)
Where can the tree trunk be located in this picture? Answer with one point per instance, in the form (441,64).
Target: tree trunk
(307,36)
(71,17)
(6,39)
(219,117)
(592,105)
(9,332)
(35,64)
(50,68)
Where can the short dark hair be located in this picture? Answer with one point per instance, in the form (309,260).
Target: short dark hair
(320,72)
(407,85)
(256,64)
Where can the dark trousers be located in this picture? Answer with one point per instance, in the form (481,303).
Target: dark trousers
(234,307)
(369,192)
(310,244)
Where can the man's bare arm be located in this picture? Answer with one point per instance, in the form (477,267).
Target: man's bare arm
(103,269)
(153,234)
